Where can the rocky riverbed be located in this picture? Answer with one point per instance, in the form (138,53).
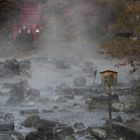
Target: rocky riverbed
(55,99)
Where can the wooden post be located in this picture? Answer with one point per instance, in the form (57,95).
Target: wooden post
(110,108)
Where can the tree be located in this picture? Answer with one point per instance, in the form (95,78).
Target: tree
(8,8)
(124,19)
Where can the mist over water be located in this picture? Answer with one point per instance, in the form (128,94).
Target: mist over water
(67,30)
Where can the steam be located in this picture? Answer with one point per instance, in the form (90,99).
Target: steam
(67,29)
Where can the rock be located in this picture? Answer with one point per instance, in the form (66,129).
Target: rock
(79,91)
(6,125)
(117,107)
(88,64)
(6,137)
(33,94)
(47,111)
(64,89)
(18,90)
(9,117)
(64,130)
(118,119)
(80,128)
(32,121)
(14,101)
(36,136)
(47,126)
(80,82)
(99,133)
(55,107)
(29,112)
(115,98)
(25,65)
(89,70)
(62,64)
(12,65)
(61,100)
(14,135)
(100,101)
(62,137)
(130,108)
(79,125)
(70,97)
(132,120)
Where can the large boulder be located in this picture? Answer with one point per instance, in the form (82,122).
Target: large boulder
(80,82)
(33,94)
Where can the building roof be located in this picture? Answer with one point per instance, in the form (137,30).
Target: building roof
(108,71)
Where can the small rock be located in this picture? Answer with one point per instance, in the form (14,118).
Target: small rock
(117,107)
(99,133)
(80,128)
(33,94)
(47,111)
(79,125)
(118,119)
(70,97)
(62,64)
(130,108)
(64,89)
(18,90)
(65,131)
(47,126)
(14,101)
(80,82)
(55,107)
